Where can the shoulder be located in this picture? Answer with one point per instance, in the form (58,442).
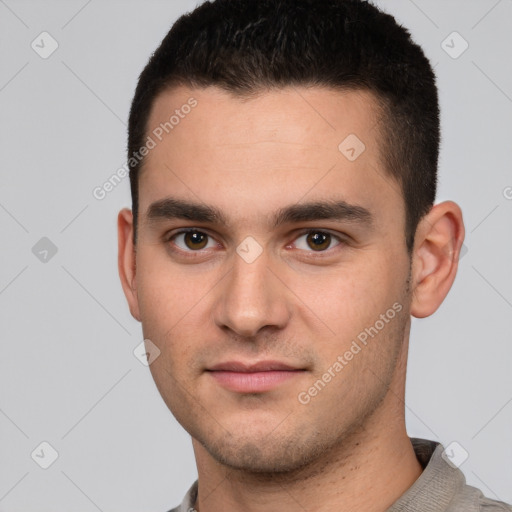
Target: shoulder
(442,486)
(180,508)
(187,505)
(472,499)
(489,505)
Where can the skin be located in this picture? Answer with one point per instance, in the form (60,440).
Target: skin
(348,446)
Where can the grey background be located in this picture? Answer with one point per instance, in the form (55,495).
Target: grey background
(68,375)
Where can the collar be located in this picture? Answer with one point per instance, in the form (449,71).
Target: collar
(433,490)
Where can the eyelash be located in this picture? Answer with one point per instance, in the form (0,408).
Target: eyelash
(190,253)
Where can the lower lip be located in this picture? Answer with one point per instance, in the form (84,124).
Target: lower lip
(255,382)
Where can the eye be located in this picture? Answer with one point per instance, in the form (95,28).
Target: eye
(192,240)
(317,240)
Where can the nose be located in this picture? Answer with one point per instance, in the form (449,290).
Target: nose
(251,298)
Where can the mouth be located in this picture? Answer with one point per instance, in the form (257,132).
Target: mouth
(253,378)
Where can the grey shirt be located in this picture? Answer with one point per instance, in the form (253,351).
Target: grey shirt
(440,488)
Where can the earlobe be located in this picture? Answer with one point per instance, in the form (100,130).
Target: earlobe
(437,246)
(126,260)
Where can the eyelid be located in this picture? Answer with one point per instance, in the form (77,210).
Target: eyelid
(306,231)
(168,237)
(339,238)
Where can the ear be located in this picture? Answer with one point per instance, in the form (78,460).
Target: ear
(437,245)
(126,260)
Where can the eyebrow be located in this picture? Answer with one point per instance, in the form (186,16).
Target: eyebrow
(172,208)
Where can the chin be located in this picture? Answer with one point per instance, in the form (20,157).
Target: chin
(265,454)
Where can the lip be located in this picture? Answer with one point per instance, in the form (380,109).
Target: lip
(253,378)
(260,366)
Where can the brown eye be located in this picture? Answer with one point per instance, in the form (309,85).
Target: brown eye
(191,240)
(195,240)
(318,241)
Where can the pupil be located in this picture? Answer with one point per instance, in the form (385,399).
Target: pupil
(319,240)
(196,239)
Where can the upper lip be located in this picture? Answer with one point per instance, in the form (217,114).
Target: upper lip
(260,366)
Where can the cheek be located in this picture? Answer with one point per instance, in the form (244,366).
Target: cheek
(344,298)
(345,306)
(166,291)
(175,305)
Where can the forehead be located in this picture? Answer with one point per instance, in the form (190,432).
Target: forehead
(309,117)
(281,145)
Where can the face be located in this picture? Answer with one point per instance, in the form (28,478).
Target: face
(268,233)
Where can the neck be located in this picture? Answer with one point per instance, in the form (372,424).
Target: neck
(369,470)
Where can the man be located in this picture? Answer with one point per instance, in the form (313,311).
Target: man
(282,233)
